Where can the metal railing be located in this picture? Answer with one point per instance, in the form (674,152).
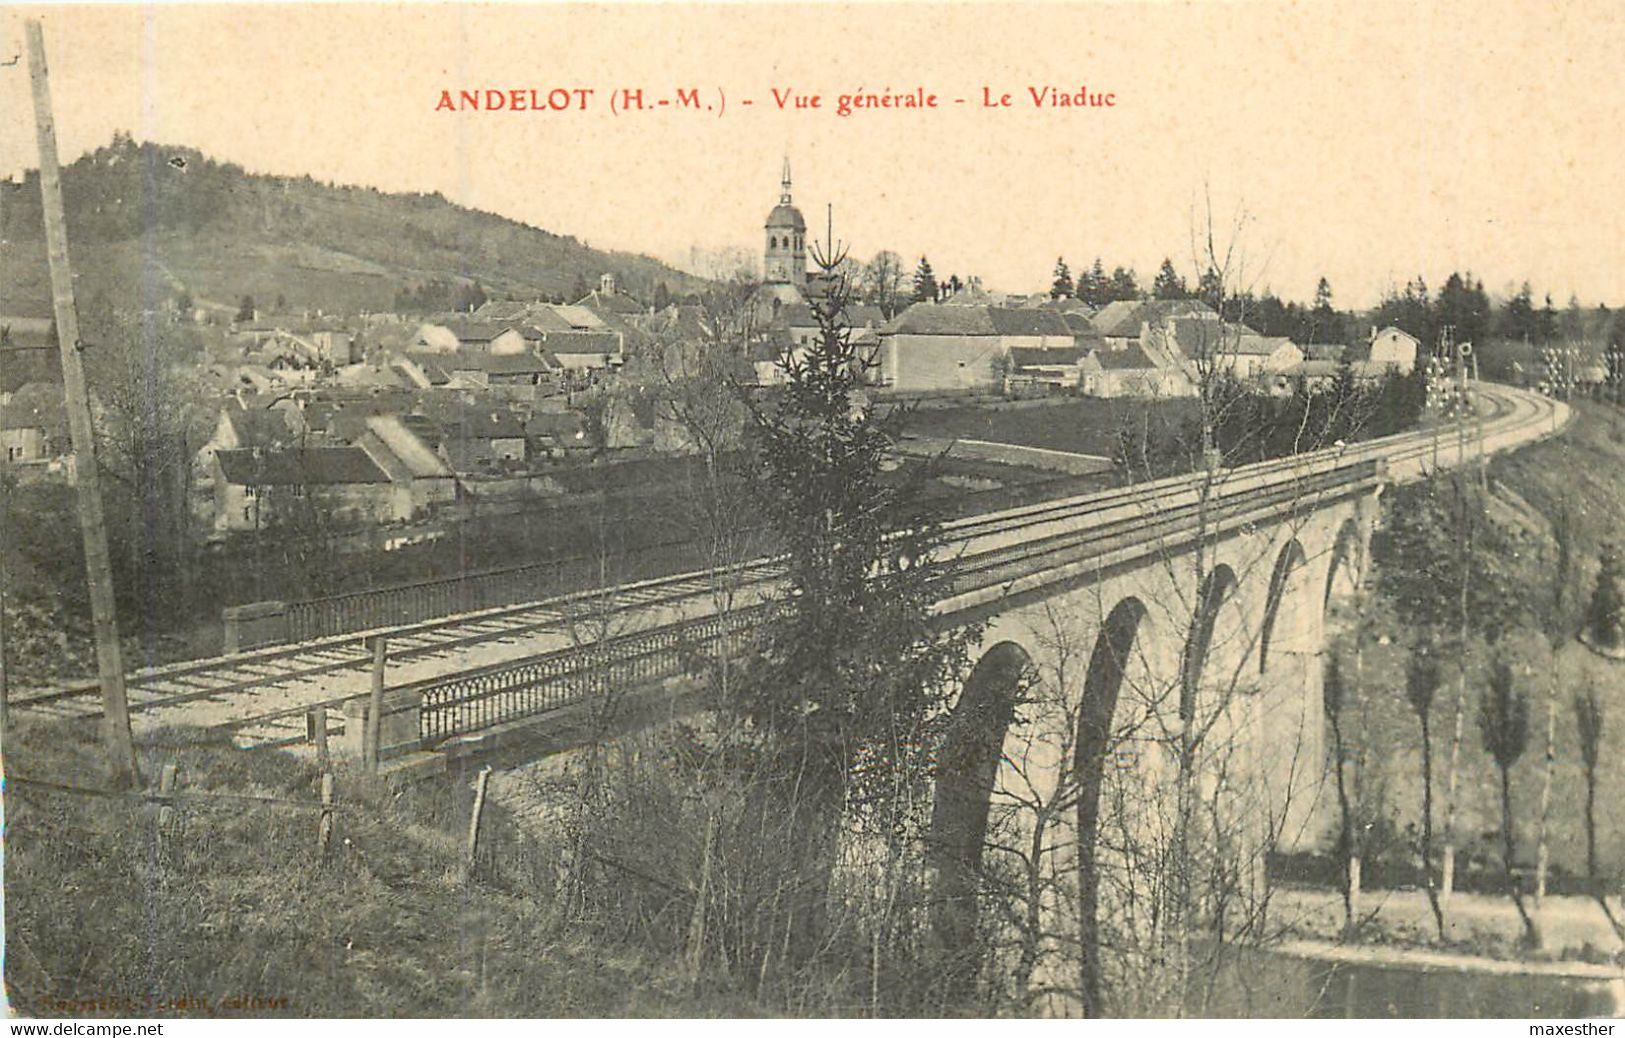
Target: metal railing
(481,699)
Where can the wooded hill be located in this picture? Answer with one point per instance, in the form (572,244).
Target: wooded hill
(151,224)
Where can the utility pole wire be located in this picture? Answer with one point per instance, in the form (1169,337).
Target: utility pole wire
(121,762)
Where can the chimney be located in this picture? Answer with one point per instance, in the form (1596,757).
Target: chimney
(606,284)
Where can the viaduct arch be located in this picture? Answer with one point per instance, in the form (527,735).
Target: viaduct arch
(1213,666)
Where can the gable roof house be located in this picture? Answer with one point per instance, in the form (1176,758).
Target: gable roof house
(34,426)
(554,433)
(1132,372)
(1125,322)
(255,489)
(1190,343)
(933,346)
(1055,367)
(408,453)
(238,427)
(527,368)
(1393,348)
(460,335)
(483,439)
(580,351)
(603,302)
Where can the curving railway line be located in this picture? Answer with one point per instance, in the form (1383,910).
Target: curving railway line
(263,695)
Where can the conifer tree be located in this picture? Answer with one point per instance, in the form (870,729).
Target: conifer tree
(1061,287)
(1605,616)
(925,282)
(854,671)
(1168,284)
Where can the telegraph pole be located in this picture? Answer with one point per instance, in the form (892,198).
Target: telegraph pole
(121,762)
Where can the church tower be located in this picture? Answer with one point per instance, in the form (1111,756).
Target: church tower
(785,262)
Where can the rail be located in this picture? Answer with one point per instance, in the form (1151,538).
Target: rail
(991,546)
(481,699)
(1051,537)
(419,601)
(413,602)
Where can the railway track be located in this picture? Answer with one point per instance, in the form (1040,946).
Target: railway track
(264,694)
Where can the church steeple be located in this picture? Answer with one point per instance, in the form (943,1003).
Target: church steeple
(785,262)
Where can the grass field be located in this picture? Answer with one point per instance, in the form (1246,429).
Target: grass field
(1081,425)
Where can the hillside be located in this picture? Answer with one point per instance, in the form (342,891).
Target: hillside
(1578,471)
(229,910)
(175,222)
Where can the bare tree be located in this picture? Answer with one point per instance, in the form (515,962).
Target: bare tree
(1561,624)
(886,283)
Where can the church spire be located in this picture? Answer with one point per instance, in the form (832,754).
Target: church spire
(784,196)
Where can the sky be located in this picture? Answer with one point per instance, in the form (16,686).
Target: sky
(1364,142)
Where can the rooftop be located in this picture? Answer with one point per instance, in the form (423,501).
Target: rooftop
(309,466)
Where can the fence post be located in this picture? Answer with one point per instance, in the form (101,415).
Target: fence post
(375,705)
(474,822)
(166,811)
(324,829)
(316,731)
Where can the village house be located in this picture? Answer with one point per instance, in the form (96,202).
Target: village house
(527,368)
(801,324)
(34,425)
(1130,372)
(408,449)
(1251,356)
(578,352)
(316,343)
(1393,348)
(260,489)
(458,335)
(607,298)
(28,353)
(933,346)
(482,439)
(1124,323)
(1200,345)
(238,427)
(1065,368)
(556,434)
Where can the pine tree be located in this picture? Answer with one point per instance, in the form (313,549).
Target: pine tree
(1168,284)
(1323,318)
(1124,285)
(1061,287)
(855,669)
(1518,317)
(1210,290)
(1605,616)
(1095,286)
(925,282)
